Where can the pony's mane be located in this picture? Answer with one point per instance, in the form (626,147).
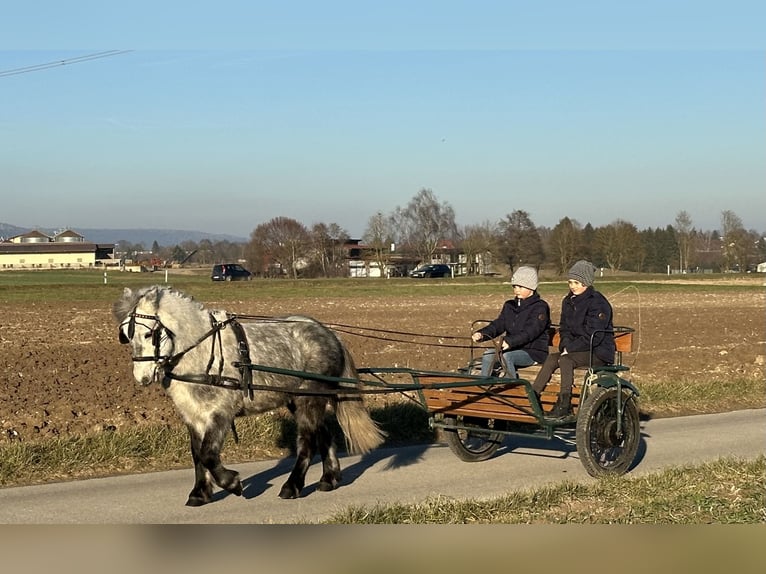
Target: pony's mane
(131,298)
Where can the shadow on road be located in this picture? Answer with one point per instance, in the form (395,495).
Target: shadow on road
(259,483)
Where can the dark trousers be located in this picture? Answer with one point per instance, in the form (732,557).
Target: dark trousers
(567,363)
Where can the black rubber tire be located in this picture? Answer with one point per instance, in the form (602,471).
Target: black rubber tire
(471,445)
(600,448)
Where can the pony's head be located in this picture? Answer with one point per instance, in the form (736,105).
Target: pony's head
(152,342)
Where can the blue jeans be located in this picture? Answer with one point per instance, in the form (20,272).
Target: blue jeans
(512,359)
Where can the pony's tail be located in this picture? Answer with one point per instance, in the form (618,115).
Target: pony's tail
(362,433)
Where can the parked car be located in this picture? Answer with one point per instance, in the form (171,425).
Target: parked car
(230,272)
(432,270)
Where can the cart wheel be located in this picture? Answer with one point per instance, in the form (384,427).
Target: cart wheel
(474,445)
(601,448)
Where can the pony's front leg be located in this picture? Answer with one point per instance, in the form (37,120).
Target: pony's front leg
(202,492)
(207,464)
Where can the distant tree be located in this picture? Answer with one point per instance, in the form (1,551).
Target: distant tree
(327,249)
(281,242)
(736,244)
(131,251)
(760,248)
(587,248)
(228,251)
(378,238)
(206,254)
(707,248)
(659,250)
(520,242)
(477,243)
(618,244)
(564,243)
(178,254)
(684,230)
(424,223)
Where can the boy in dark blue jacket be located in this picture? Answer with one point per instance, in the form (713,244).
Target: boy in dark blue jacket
(523,322)
(586,316)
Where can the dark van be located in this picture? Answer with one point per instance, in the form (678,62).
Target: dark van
(230,272)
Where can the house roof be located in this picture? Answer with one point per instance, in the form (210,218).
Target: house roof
(68,233)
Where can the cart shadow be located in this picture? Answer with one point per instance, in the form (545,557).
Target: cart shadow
(561,446)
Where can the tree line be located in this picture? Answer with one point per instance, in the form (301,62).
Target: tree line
(425,230)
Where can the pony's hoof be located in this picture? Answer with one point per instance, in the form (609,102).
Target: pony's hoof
(236,489)
(288,492)
(196,501)
(326,486)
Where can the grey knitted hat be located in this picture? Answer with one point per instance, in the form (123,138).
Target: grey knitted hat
(526,277)
(582,271)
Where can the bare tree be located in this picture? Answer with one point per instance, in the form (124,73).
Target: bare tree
(424,223)
(564,244)
(520,240)
(282,242)
(684,238)
(379,238)
(736,242)
(327,246)
(478,242)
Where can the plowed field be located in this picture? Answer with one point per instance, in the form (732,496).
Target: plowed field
(64,372)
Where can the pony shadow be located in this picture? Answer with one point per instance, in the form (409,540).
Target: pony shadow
(259,483)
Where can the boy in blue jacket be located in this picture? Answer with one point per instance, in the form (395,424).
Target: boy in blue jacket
(586,316)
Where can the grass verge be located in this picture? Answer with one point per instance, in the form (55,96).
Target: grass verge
(153,448)
(726,491)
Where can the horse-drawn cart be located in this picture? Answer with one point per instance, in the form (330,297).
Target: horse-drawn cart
(476,413)
(216,366)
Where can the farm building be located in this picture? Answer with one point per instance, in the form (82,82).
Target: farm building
(64,250)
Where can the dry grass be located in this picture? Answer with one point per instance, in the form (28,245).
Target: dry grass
(727,491)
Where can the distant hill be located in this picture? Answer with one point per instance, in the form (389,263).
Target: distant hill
(164,237)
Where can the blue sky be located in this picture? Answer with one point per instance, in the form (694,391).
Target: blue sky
(218,119)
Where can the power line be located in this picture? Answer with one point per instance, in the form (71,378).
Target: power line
(65,62)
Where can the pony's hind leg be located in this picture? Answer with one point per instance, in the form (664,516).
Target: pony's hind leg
(309,413)
(330,466)
(206,452)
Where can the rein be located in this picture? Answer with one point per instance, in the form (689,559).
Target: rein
(360,331)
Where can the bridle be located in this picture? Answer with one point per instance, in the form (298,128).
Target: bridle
(168,362)
(155,332)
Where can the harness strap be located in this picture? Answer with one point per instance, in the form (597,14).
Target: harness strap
(244,382)
(245,374)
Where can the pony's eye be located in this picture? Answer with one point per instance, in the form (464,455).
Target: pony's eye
(148,335)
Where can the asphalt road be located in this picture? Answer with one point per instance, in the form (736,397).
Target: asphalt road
(404,475)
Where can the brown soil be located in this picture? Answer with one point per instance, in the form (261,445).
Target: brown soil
(63,371)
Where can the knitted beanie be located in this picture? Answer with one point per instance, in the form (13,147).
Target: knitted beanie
(582,271)
(526,277)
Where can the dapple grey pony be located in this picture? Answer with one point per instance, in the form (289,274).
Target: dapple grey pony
(200,357)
